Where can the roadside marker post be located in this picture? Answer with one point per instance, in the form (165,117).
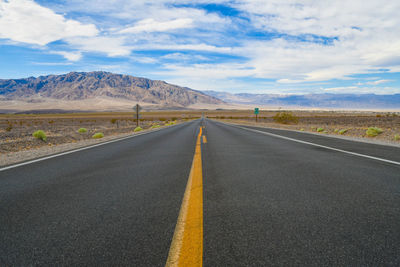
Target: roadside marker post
(256,111)
(137,109)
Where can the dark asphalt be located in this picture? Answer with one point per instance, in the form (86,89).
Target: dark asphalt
(116,204)
(375,150)
(267,202)
(274,202)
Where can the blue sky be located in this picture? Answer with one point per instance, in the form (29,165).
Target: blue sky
(253,46)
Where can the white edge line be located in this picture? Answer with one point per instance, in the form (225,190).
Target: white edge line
(317,145)
(80,149)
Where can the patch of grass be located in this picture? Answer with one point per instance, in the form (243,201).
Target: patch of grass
(373,131)
(138,129)
(285,118)
(155,126)
(82,130)
(397,137)
(39,134)
(320,130)
(343,131)
(302,129)
(98,135)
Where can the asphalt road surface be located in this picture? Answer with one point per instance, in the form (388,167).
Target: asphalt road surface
(268,201)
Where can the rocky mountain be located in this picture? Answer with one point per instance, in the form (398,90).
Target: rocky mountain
(346,101)
(89,85)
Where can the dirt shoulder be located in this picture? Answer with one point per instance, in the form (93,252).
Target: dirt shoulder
(17,143)
(347,131)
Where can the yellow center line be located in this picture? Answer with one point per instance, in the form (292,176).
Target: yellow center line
(187,244)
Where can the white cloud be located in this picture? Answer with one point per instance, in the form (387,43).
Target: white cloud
(378,82)
(361,90)
(184,57)
(27,22)
(71,56)
(112,46)
(151,25)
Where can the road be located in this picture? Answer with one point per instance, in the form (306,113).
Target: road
(267,201)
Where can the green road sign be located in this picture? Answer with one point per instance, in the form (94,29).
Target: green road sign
(256,111)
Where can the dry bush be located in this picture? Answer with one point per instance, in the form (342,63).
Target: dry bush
(286,118)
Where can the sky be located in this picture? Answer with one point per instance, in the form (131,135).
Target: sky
(236,46)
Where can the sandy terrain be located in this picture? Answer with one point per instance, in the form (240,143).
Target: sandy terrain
(18,144)
(354,124)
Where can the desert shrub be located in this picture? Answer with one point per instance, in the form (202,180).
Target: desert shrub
(343,131)
(155,126)
(98,135)
(138,129)
(9,127)
(373,131)
(82,130)
(162,119)
(378,115)
(336,130)
(39,134)
(397,137)
(113,121)
(285,118)
(51,122)
(320,129)
(302,129)
(174,118)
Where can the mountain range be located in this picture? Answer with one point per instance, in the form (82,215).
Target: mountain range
(334,101)
(94,91)
(80,86)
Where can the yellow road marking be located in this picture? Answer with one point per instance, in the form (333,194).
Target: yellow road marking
(204,139)
(187,244)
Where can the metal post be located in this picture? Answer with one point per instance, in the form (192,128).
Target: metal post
(137,115)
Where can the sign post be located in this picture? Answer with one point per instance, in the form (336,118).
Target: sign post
(256,111)
(137,109)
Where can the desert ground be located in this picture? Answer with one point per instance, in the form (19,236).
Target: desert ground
(16,130)
(350,124)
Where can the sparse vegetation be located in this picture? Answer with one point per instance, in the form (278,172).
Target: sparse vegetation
(113,121)
(39,134)
(155,126)
(343,131)
(320,130)
(98,135)
(138,129)
(373,131)
(82,130)
(9,127)
(397,137)
(285,118)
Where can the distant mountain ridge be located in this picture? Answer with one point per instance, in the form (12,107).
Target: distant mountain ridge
(88,85)
(353,101)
